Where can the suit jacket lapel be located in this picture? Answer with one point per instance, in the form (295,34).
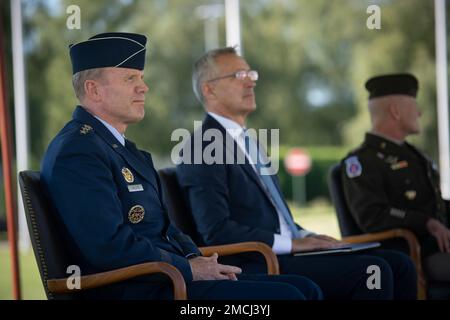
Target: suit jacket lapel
(139,165)
(210,122)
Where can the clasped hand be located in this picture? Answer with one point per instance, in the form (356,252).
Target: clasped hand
(441,233)
(207,268)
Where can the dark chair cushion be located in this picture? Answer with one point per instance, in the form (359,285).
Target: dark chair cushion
(45,231)
(176,203)
(347,223)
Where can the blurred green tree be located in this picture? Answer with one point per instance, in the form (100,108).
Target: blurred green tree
(313,58)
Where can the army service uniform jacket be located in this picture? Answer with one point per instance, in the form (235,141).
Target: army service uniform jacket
(108,199)
(387,186)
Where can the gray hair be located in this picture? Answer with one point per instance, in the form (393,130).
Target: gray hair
(79,78)
(205,68)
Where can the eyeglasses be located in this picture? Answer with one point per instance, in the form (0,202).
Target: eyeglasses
(240,75)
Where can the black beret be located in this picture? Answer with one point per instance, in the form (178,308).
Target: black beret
(384,85)
(112,49)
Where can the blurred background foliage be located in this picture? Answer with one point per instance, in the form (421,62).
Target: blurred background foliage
(313,58)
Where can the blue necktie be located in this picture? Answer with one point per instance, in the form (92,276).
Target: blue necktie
(253,151)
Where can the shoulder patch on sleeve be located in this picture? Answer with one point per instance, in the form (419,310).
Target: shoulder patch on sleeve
(353,167)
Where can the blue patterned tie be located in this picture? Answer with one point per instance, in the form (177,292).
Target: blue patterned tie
(253,151)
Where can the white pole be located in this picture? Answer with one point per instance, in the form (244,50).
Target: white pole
(210,14)
(211,34)
(233,24)
(442,96)
(20,113)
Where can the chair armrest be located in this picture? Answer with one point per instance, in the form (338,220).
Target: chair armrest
(413,244)
(104,278)
(411,239)
(235,248)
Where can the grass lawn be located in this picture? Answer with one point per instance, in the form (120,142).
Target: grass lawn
(31,282)
(319,217)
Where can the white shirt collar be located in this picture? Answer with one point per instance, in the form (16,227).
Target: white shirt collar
(113,130)
(233,128)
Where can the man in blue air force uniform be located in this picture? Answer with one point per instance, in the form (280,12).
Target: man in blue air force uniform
(107,194)
(233,202)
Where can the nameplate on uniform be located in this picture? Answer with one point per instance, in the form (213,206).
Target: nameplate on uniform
(397,213)
(135,187)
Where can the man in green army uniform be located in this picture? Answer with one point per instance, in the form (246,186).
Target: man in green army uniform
(389,184)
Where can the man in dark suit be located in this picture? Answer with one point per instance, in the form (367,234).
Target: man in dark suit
(108,196)
(232,201)
(388,183)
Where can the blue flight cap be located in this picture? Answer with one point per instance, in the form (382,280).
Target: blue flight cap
(402,83)
(112,49)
